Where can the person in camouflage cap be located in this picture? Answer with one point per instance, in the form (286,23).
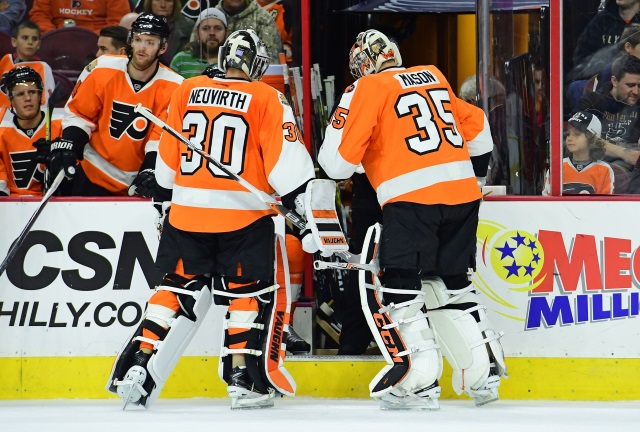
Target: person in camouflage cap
(247,14)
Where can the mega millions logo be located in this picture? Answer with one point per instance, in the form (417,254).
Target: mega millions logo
(538,280)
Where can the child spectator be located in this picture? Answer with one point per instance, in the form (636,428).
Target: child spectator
(26,40)
(583,171)
(92,15)
(11,12)
(209,34)
(22,130)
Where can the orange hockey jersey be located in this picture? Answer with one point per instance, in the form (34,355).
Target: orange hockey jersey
(9,61)
(594,178)
(20,174)
(102,105)
(413,136)
(249,128)
(90,14)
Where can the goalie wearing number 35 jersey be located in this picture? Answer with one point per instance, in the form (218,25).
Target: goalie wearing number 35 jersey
(417,150)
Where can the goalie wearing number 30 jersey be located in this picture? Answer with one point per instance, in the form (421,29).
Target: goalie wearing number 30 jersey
(425,153)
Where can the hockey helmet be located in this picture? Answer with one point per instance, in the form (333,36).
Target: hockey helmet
(371,50)
(244,50)
(150,24)
(18,75)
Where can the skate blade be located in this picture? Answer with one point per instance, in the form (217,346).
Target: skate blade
(483,400)
(242,398)
(130,389)
(410,405)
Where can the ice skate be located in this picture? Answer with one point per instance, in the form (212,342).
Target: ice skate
(243,394)
(131,389)
(295,344)
(425,399)
(487,392)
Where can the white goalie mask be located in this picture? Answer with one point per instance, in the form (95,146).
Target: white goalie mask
(244,50)
(371,49)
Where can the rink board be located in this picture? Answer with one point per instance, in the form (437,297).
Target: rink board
(559,277)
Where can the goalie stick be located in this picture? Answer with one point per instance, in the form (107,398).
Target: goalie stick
(23,235)
(264,197)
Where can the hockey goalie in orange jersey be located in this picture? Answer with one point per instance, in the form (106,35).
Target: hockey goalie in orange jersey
(426,153)
(116,147)
(218,237)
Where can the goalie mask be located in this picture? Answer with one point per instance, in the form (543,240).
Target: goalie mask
(19,75)
(371,50)
(244,50)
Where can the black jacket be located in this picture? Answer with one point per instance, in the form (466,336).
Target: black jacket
(597,44)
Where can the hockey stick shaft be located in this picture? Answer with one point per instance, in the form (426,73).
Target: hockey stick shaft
(264,197)
(322,265)
(23,235)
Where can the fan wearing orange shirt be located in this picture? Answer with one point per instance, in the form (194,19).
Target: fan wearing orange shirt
(425,153)
(21,130)
(92,15)
(106,148)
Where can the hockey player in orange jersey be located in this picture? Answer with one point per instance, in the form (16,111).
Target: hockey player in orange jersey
(24,125)
(425,153)
(116,147)
(220,237)
(583,170)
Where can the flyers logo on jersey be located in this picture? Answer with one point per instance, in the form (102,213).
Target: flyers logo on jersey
(24,168)
(125,120)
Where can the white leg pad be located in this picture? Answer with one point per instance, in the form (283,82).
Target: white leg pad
(426,358)
(472,348)
(168,351)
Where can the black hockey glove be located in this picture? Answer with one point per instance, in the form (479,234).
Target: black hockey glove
(43,151)
(144,184)
(63,158)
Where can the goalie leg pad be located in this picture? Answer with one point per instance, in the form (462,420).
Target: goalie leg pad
(468,339)
(404,335)
(195,300)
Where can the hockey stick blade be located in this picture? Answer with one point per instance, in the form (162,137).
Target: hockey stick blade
(263,196)
(23,235)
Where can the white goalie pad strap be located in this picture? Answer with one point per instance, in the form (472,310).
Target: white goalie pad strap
(466,344)
(159,317)
(177,290)
(245,325)
(228,293)
(169,351)
(392,306)
(229,351)
(322,218)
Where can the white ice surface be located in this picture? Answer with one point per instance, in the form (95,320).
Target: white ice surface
(315,415)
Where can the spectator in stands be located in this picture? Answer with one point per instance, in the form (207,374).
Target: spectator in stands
(629,44)
(128,19)
(282,14)
(26,40)
(603,31)
(11,13)
(93,15)
(181,26)
(618,109)
(246,14)
(583,170)
(209,33)
(112,40)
